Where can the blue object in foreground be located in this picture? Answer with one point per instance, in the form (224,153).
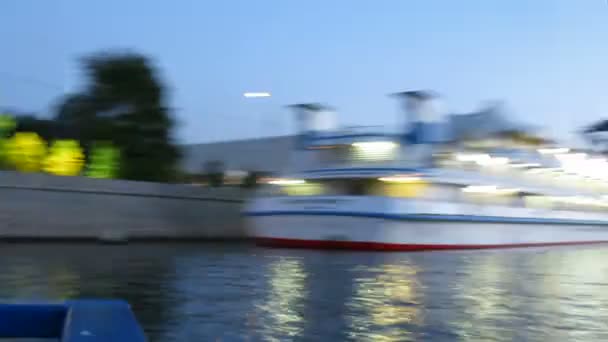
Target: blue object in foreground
(72,321)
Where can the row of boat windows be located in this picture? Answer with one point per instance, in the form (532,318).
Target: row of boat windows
(423,190)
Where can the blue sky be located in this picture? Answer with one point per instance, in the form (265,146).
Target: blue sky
(546,58)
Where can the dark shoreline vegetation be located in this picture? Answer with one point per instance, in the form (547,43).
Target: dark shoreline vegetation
(122,104)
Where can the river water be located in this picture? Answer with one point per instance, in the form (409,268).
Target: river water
(234,292)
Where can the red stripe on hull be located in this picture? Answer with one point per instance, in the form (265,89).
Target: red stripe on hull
(381,246)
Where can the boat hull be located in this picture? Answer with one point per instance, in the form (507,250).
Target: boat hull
(387,234)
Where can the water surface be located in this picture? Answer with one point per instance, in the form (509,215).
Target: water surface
(233,292)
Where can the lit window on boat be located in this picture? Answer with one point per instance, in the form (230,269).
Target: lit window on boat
(374,151)
(304,189)
(406,186)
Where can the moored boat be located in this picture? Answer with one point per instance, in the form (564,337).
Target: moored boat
(437,185)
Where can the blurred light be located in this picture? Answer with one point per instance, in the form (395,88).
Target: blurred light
(493,161)
(480,188)
(472,157)
(373,150)
(25,150)
(571,156)
(525,165)
(400,179)
(375,146)
(65,158)
(261,94)
(557,150)
(543,170)
(287,181)
(482,159)
(103,161)
(489,189)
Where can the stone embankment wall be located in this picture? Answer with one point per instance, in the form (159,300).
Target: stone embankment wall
(39,206)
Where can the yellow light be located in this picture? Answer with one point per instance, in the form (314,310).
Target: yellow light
(65,158)
(25,150)
(286,181)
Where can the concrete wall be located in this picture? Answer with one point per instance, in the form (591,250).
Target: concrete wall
(44,206)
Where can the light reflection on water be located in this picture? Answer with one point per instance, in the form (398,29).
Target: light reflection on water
(232,292)
(385,302)
(283,305)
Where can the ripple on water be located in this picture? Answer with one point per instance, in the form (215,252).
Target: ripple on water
(203,292)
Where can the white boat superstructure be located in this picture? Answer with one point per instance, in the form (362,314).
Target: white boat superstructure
(431,188)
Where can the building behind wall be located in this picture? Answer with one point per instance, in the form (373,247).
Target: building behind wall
(266,155)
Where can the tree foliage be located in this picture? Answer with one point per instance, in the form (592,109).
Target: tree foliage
(124,102)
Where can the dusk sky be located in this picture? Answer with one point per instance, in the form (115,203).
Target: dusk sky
(548,59)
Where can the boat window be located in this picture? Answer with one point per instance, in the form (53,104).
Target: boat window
(404,190)
(306,189)
(349,187)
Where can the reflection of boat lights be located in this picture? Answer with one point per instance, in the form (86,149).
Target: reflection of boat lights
(286,298)
(286,181)
(381,299)
(482,300)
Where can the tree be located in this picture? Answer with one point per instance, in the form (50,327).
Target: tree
(45,128)
(124,102)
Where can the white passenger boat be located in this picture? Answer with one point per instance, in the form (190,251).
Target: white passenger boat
(473,181)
